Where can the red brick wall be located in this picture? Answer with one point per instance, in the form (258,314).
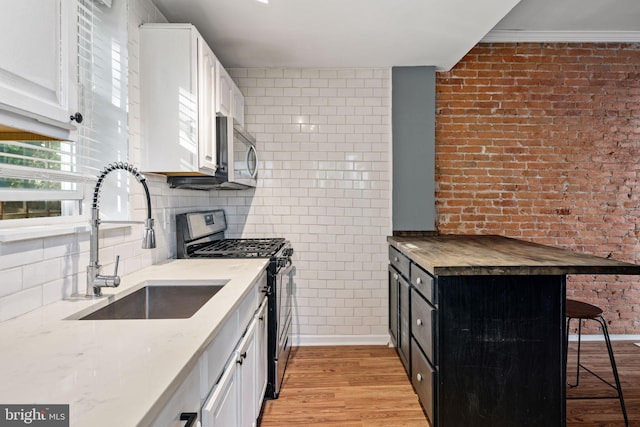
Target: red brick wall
(542,142)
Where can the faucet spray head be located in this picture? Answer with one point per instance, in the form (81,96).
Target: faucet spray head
(149,236)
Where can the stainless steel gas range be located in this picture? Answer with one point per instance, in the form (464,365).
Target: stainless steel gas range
(201,235)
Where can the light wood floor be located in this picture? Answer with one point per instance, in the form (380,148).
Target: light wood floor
(367,386)
(344,387)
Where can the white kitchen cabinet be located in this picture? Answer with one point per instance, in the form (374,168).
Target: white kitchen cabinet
(253,373)
(238,106)
(38,58)
(261,356)
(226,386)
(185,400)
(237,398)
(206,117)
(224,92)
(177,84)
(222,409)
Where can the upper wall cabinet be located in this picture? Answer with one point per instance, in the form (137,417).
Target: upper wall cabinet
(38,60)
(177,84)
(224,92)
(238,106)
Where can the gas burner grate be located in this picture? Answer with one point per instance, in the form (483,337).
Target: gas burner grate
(241,248)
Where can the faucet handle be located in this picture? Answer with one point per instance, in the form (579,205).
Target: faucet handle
(115,270)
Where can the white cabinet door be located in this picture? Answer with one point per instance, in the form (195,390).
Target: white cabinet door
(177,86)
(247,360)
(206,106)
(261,355)
(238,105)
(224,91)
(222,409)
(186,400)
(38,57)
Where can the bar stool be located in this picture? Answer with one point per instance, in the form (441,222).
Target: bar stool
(583,311)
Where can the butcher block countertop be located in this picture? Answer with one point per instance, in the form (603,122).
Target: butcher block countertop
(455,255)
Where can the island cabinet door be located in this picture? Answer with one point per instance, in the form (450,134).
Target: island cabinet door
(394,308)
(404,326)
(500,348)
(399,317)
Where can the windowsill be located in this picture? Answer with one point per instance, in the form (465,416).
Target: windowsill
(42,231)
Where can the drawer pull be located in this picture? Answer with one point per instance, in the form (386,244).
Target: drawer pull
(396,259)
(419,280)
(419,377)
(419,322)
(190,418)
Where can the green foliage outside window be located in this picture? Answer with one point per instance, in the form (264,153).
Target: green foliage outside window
(37,154)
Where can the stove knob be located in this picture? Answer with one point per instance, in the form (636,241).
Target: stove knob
(288,252)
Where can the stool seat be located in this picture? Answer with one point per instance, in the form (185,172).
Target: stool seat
(582,310)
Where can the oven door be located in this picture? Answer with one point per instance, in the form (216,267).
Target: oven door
(284,288)
(284,295)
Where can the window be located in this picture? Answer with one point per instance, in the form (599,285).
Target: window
(45,178)
(39,179)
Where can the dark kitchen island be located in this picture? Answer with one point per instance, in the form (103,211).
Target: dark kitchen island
(479,324)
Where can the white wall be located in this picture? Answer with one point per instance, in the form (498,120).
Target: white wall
(324,141)
(325,183)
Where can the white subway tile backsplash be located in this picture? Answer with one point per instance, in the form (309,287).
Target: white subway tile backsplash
(325,182)
(23,252)
(20,302)
(38,273)
(11,281)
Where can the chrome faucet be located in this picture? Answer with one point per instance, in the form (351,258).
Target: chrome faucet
(95,280)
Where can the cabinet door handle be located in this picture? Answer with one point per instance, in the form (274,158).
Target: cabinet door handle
(241,357)
(419,280)
(77,117)
(419,377)
(419,322)
(395,276)
(189,417)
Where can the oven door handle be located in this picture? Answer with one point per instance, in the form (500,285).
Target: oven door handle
(287,269)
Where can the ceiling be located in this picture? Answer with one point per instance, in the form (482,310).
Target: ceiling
(383,33)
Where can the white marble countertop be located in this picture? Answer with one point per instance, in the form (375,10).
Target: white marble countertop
(116,372)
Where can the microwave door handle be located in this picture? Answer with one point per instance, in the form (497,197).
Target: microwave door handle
(253,172)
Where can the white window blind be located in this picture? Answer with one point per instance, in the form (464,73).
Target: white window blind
(51,178)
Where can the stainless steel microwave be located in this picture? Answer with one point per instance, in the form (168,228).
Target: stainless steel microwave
(237,160)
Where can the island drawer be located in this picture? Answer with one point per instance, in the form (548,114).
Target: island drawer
(423,319)
(423,378)
(423,281)
(399,261)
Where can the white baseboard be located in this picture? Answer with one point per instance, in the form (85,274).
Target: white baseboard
(316,340)
(311,340)
(599,337)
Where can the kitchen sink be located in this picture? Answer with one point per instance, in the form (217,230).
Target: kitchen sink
(159,301)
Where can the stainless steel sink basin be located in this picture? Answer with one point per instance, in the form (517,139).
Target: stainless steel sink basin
(158,302)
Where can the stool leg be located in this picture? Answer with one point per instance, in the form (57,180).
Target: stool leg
(578,355)
(605,332)
(566,350)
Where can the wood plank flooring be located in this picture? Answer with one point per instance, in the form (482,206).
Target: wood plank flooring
(604,412)
(344,387)
(367,386)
